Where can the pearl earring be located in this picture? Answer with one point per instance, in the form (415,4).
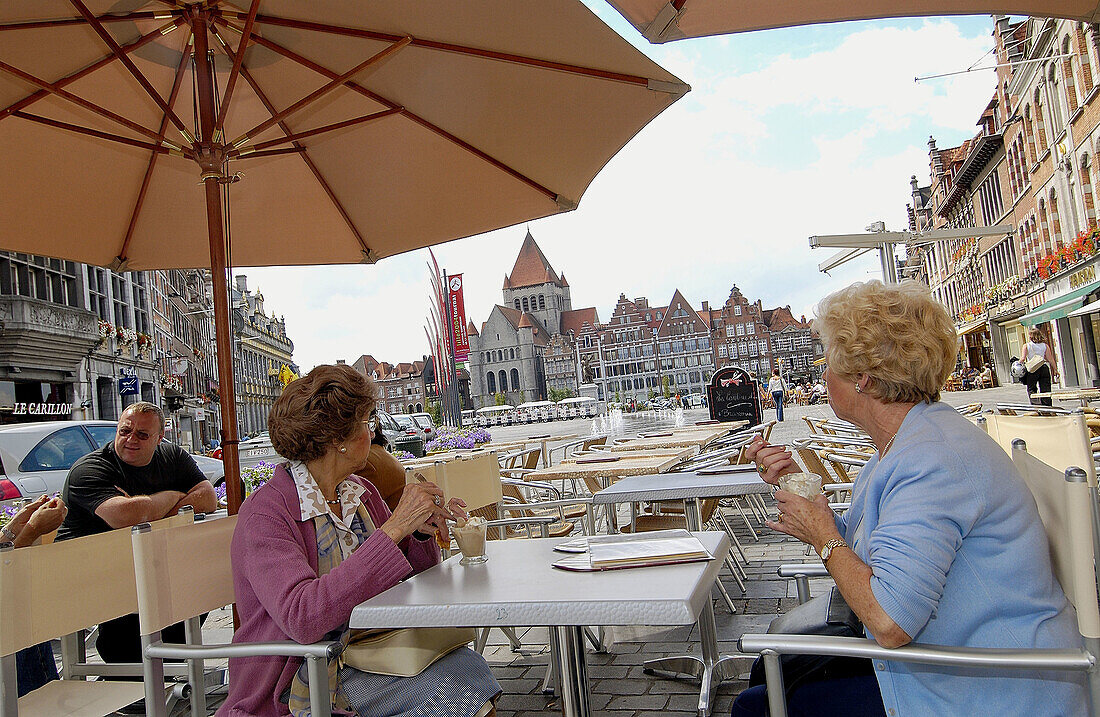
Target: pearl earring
(343,449)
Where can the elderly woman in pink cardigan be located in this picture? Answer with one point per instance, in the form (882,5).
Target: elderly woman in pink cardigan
(315,541)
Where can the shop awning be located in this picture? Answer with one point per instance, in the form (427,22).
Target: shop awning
(970,327)
(1060,307)
(1088,309)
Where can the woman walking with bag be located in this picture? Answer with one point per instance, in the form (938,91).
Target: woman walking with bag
(778,391)
(1038,360)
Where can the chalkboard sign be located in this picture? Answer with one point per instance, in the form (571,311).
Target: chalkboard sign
(734,396)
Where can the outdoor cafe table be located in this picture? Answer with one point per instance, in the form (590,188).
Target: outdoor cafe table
(695,437)
(711,669)
(1083,394)
(545,440)
(517,587)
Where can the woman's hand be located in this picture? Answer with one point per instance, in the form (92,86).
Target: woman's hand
(46,518)
(418,511)
(771,461)
(19,520)
(810,521)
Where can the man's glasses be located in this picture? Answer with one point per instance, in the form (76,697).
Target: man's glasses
(140,435)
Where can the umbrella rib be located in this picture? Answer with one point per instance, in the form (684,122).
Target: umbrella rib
(236,71)
(314,132)
(368,253)
(103,62)
(514,173)
(63,22)
(96,133)
(373,62)
(450,47)
(54,89)
(132,226)
(130,66)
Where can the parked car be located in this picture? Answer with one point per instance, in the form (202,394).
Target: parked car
(256,450)
(403,435)
(427,425)
(36,457)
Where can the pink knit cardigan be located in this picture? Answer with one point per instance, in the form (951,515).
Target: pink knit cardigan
(280,597)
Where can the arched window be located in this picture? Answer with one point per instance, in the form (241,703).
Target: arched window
(1040,122)
(410,409)
(1084,60)
(525,307)
(1086,191)
(491,382)
(502,378)
(1069,66)
(515,379)
(1045,245)
(1029,132)
(542,301)
(511,354)
(1054,100)
(419,408)
(517,304)
(1055,220)
(500,355)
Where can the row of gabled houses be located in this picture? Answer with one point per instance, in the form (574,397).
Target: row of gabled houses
(535,343)
(536,346)
(1029,168)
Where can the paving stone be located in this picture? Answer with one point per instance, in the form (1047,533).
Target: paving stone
(621,687)
(638,702)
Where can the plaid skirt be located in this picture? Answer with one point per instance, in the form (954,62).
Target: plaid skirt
(456,685)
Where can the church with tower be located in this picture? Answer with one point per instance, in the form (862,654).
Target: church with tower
(506,352)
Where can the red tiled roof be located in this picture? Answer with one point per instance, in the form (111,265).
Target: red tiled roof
(526,322)
(531,267)
(511,314)
(472,330)
(575,319)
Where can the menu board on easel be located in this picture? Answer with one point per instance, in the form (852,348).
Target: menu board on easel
(734,396)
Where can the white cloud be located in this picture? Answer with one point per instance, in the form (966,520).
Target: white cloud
(724,188)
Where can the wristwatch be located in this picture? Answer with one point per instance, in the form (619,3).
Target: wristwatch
(7,535)
(828,548)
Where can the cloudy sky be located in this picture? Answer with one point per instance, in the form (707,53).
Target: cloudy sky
(785,134)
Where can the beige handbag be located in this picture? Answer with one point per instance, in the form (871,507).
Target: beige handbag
(1033,363)
(403,653)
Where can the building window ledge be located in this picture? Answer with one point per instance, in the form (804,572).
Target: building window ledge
(1042,158)
(1076,114)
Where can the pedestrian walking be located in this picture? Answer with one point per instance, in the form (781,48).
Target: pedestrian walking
(778,390)
(1038,359)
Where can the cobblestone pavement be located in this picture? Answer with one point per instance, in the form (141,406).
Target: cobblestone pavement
(618,686)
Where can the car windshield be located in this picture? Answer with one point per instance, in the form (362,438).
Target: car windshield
(423,421)
(405,421)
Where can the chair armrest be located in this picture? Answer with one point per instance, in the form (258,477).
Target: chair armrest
(833,487)
(562,503)
(1003,658)
(810,570)
(536,484)
(279,648)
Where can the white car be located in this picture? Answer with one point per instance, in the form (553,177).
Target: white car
(36,457)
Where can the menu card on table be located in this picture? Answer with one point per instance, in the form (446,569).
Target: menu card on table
(613,552)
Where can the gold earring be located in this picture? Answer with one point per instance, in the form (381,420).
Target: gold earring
(858,389)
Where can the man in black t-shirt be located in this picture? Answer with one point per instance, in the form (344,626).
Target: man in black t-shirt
(134,479)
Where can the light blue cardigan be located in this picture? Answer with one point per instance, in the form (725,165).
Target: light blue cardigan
(959,557)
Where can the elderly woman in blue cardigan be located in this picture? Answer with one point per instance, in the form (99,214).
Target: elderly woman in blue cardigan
(942,544)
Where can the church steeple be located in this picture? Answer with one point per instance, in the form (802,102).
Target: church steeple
(531,268)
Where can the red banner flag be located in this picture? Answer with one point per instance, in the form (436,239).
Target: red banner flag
(461,341)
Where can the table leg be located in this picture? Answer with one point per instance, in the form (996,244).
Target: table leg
(572,671)
(712,669)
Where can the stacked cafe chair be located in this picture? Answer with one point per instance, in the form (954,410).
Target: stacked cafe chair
(1068,508)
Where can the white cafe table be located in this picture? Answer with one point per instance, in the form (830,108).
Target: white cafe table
(517,587)
(711,669)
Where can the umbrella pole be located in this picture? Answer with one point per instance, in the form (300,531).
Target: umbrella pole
(211,160)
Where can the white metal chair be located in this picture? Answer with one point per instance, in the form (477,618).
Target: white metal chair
(173,586)
(1068,509)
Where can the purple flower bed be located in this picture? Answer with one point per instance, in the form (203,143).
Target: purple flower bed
(403,455)
(449,438)
(7,512)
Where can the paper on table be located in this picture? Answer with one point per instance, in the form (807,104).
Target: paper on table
(639,552)
(580,545)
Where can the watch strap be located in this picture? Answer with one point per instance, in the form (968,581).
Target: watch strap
(828,548)
(8,534)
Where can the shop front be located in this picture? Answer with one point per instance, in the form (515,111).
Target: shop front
(1069,320)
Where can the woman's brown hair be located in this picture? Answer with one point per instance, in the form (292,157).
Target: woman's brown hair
(324,407)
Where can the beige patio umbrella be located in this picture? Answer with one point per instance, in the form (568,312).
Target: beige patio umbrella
(327,131)
(666,20)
